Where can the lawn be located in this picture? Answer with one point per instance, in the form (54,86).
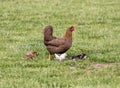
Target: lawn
(97,35)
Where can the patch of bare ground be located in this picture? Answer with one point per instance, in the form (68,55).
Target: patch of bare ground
(98,66)
(103,65)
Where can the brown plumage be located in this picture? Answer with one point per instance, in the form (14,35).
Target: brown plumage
(57,45)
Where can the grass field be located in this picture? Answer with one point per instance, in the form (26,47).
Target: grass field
(97,34)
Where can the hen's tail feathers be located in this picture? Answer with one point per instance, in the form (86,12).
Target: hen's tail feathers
(48,31)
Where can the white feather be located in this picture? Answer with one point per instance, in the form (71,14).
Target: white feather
(60,56)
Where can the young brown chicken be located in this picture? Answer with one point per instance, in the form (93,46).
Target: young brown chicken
(57,45)
(31,55)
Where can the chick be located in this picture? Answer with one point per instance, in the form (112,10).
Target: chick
(31,55)
(60,56)
(80,56)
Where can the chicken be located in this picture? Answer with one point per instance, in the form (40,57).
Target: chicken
(80,56)
(31,55)
(57,45)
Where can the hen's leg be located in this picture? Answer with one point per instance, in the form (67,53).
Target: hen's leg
(49,57)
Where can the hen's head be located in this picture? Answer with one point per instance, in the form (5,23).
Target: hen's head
(69,31)
(72,28)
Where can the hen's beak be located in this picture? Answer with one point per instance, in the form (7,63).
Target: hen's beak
(49,57)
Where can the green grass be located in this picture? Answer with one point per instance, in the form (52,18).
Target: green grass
(97,34)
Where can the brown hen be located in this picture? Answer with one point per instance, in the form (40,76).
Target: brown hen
(57,45)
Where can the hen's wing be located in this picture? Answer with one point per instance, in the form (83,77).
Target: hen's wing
(56,42)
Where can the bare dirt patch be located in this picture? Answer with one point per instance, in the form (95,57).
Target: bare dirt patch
(98,66)
(103,65)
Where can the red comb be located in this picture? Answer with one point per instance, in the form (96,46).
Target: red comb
(72,27)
